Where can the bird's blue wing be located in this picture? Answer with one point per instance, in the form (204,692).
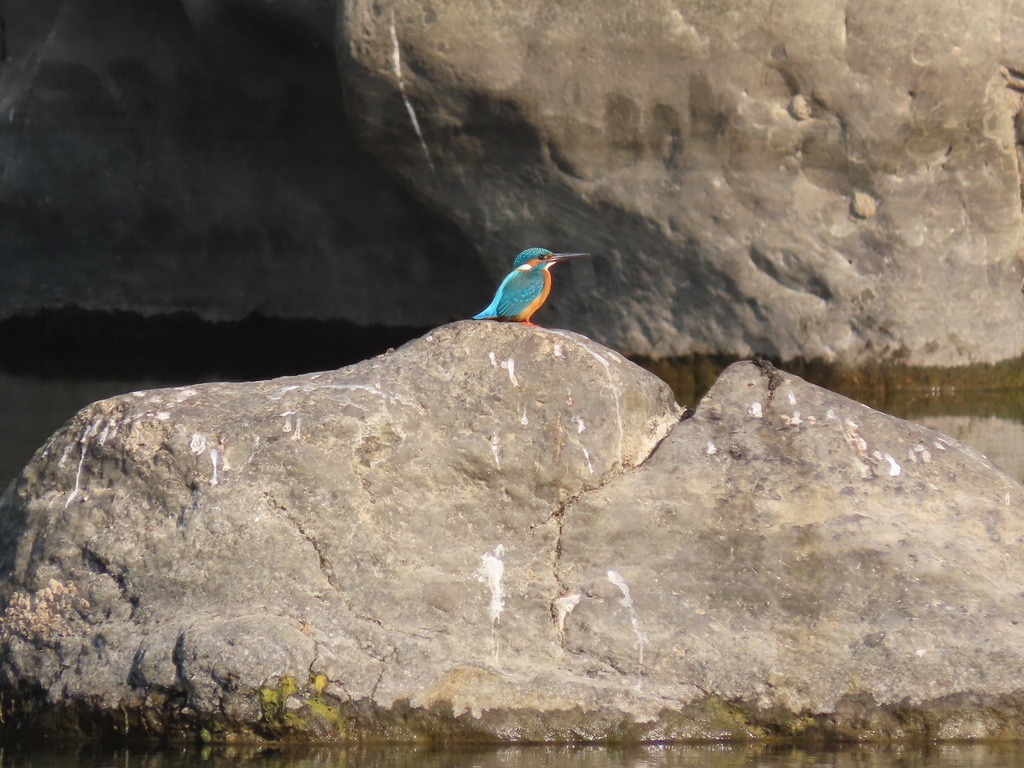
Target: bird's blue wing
(518,290)
(490,311)
(492,308)
(514,294)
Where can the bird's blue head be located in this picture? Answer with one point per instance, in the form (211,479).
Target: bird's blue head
(531,253)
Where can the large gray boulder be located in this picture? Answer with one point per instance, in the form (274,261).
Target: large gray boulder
(825,181)
(198,546)
(802,553)
(507,532)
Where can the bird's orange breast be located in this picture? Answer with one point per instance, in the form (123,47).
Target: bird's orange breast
(534,305)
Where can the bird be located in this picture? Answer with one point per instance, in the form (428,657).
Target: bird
(526,287)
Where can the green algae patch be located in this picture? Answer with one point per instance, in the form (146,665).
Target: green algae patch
(277,716)
(303,713)
(325,712)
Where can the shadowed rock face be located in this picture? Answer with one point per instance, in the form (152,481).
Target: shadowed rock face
(506,532)
(159,158)
(828,181)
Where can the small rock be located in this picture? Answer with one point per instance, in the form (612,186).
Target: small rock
(799,108)
(863,205)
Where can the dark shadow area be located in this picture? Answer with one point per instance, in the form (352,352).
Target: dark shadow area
(205,162)
(723,754)
(76,344)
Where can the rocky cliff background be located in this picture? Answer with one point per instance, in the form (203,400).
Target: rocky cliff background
(826,181)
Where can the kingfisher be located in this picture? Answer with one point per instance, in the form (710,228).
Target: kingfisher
(526,287)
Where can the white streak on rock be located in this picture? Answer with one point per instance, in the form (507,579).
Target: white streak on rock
(754,409)
(522,419)
(215,455)
(627,602)
(493,359)
(894,468)
(197,444)
(510,366)
(491,572)
(281,392)
(396,63)
(110,430)
(616,578)
(791,397)
(558,350)
(712,449)
(580,427)
(287,416)
(586,455)
(83,444)
(496,450)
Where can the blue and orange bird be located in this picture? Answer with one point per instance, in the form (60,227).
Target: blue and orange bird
(526,287)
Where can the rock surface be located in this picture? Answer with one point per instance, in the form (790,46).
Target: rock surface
(502,532)
(815,556)
(829,181)
(218,540)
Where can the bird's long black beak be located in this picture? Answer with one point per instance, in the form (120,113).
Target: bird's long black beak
(565,256)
